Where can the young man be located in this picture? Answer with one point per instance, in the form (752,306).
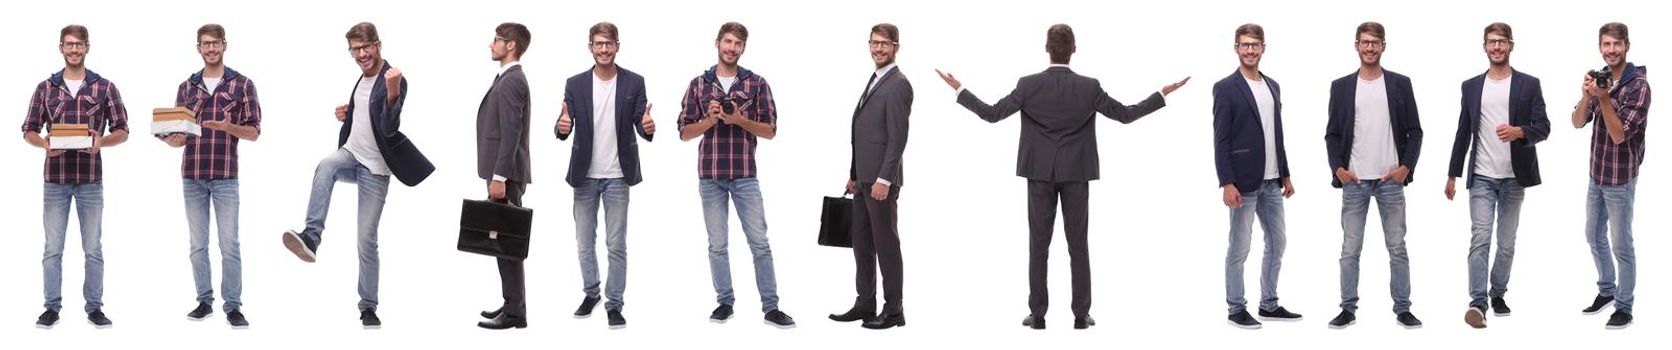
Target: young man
(1058,156)
(75,95)
(1253,170)
(1373,137)
(731,108)
(604,107)
(1620,111)
(228,111)
(371,148)
(502,158)
(1503,117)
(876,174)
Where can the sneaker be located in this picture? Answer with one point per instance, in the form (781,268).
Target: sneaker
(47,319)
(201,312)
(587,305)
(1343,320)
(1280,314)
(1600,302)
(1475,317)
(1619,320)
(616,321)
(1499,308)
(369,320)
(98,319)
(721,314)
(779,319)
(301,246)
(236,320)
(1241,319)
(1409,321)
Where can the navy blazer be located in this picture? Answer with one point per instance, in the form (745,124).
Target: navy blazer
(1526,110)
(403,158)
(1239,139)
(629,112)
(1402,109)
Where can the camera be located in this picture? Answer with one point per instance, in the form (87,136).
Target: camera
(1602,77)
(726,105)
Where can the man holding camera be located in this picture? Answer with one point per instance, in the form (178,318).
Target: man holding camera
(1617,98)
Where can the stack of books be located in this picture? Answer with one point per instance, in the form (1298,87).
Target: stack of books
(165,121)
(69,136)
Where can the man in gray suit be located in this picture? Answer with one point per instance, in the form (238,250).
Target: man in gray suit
(879,142)
(1058,156)
(502,158)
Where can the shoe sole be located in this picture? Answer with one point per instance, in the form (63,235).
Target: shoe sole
(241,327)
(1411,326)
(779,326)
(1243,326)
(1474,318)
(1349,323)
(1599,309)
(376,327)
(719,320)
(97,326)
(578,317)
(197,319)
(293,242)
(1499,314)
(618,326)
(1613,327)
(45,326)
(1279,319)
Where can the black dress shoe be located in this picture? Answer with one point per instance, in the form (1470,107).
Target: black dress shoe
(886,321)
(1084,322)
(492,314)
(855,314)
(503,321)
(1033,322)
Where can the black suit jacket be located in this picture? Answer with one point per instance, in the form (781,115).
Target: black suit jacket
(409,165)
(629,112)
(1526,110)
(1239,139)
(878,135)
(502,129)
(1059,133)
(1402,108)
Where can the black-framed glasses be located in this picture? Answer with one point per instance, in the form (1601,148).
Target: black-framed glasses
(1499,42)
(211,44)
(363,48)
(73,44)
(1371,43)
(604,43)
(1251,45)
(879,43)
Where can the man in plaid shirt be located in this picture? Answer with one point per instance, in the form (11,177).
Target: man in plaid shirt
(227,109)
(1621,112)
(74,95)
(730,107)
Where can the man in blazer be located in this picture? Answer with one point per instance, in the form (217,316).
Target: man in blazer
(1373,138)
(608,106)
(371,148)
(1058,155)
(878,139)
(1503,116)
(502,158)
(1253,170)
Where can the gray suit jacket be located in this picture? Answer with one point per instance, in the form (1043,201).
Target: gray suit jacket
(502,129)
(1059,133)
(880,123)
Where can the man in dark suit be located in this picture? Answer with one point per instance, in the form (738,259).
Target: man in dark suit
(878,138)
(609,105)
(1373,137)
(370,149)
(1058,155)
(1253,169)
(502,158)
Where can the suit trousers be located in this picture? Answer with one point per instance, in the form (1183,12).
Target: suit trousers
(1042,215)
(511,282)
(876,248)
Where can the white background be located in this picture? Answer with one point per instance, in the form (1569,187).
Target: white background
(1158,232)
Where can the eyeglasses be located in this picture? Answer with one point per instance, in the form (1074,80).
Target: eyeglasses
(604,43)
(1371,43)
(880,43)
(211,44)
(1499,42)
(73,44)
(363,48)
(1613,44)
(1252,45)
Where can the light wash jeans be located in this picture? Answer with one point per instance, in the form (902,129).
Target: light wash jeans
(55,216)
(614,195)
(1491,198)
(1266,202)
(223,195)
(1610,207)
(745,194)
(374,191)
(1355,205)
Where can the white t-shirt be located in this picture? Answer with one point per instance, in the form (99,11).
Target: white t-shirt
(1374,154)
(1492,157)
(1263,98)
(74,86)
(606,161)
(727,82)
(362,140)
(211,83)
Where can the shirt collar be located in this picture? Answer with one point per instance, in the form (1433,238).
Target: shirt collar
(508,67)
(884,70)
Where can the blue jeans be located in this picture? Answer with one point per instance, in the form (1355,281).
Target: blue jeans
(1610,207)
(1355,205)
(223,194)
(1489,196)
(1267,203)
(613,193)
(55,216)
(374,190)
(745,194)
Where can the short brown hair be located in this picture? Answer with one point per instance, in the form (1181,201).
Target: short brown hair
(887,30)
(1059,42)
(1251,30)
(75,30)
(516,33)
(736,29)
(604,29)
(364,32)
(1372,28)
(1501,28)
(1617,30)
(212,30)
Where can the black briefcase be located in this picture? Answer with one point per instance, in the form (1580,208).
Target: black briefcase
(836,223)
(495,229)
